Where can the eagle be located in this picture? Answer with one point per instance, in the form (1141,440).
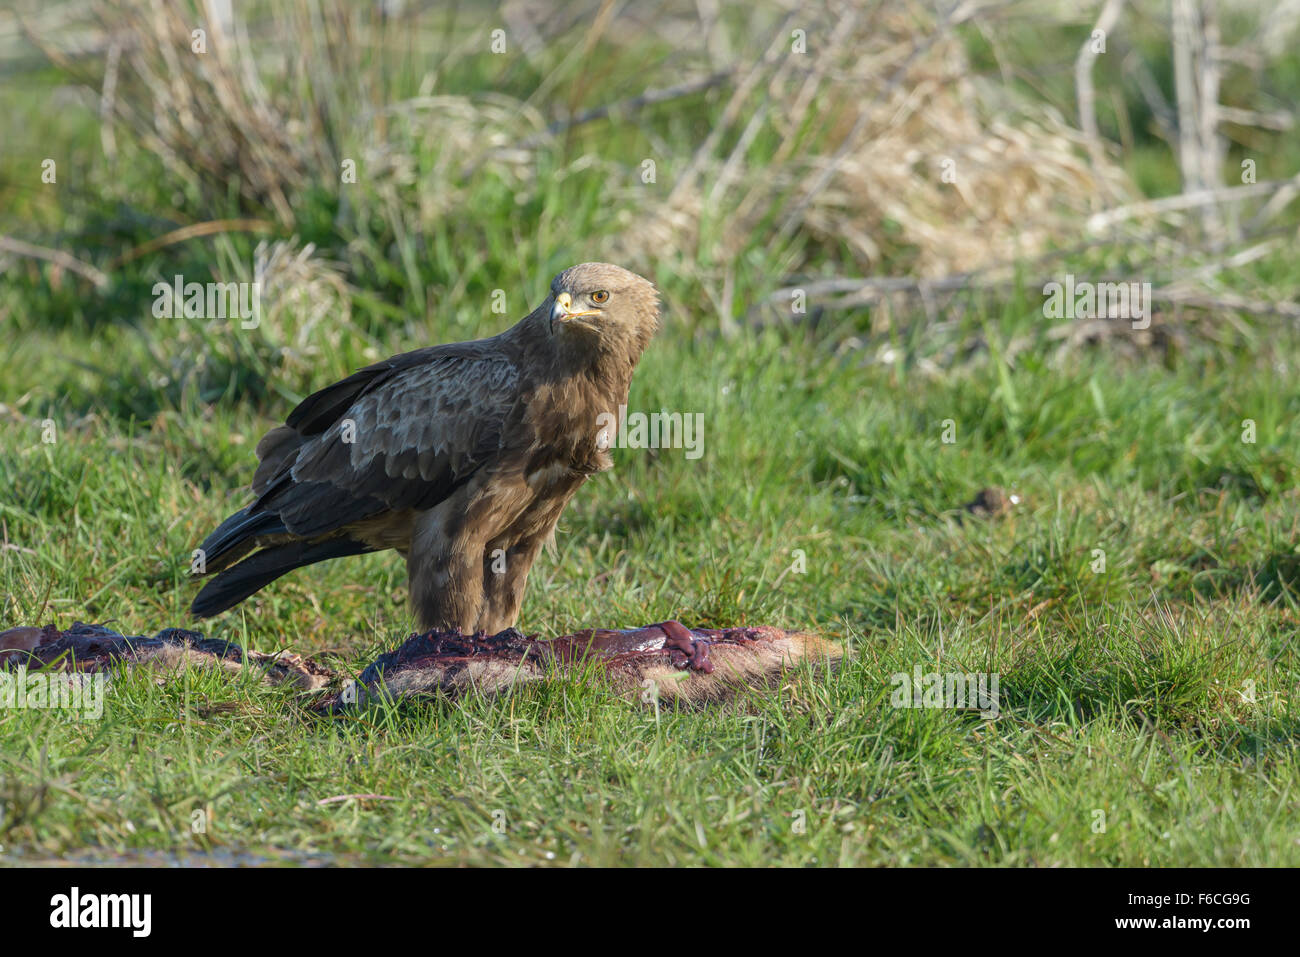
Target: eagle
(460,457)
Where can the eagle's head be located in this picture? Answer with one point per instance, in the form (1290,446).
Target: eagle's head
(604,307)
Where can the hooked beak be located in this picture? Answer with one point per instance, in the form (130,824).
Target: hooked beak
(562,311)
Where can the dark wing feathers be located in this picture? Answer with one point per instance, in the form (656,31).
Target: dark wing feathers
(277,447)
(401,434)
(404,443)
(320,410)
(314,414)
(235,584)
(234,537)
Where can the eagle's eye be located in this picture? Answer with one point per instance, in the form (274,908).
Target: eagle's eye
(599,296)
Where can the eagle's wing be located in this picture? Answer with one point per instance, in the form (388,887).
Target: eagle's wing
(409,436)
(401,434)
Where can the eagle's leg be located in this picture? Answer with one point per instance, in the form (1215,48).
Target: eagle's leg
(445,578)
(679,638)
(504,575)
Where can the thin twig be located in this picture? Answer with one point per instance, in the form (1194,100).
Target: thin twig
(56,256)
(355,797)
(1083,87)
(1190,200)
(190,232)
(857,292)
(621,109)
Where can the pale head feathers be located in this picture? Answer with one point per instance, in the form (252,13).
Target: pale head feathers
(624,306)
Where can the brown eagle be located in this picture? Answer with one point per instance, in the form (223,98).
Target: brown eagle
(461,457)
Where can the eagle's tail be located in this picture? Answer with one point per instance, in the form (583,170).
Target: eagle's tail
(236,583)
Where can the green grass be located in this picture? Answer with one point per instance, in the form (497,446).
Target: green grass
(1154,696)
(1124,692)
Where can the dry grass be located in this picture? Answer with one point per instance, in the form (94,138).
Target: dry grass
(203,104)
(889,149)
(866,120)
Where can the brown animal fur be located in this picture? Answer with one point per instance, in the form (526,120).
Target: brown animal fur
(637,662)
(640,664)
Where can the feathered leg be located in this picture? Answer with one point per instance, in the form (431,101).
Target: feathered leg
(504,577)
(445,573)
